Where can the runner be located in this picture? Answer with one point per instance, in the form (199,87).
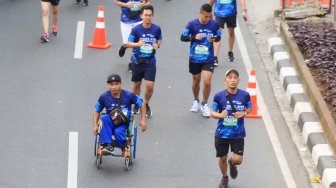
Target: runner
(45,8)
(130,17)
(229,107)
(145,39)
(225,12)
(201,32)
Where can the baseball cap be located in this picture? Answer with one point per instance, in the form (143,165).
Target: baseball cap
(231,71)
(113,78)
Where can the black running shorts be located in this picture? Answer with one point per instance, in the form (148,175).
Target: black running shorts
(231,21)
(53,2)
(222,146)
(145,71)
(196,68)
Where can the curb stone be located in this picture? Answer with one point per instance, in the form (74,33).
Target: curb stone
(310,126)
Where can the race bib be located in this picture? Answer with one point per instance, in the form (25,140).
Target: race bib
(146,49)
(230,121)
(136,6)
(201,50)
(225,1)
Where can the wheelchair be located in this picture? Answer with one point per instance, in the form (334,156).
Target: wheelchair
(130,150)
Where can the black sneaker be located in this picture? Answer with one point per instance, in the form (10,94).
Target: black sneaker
(224,182)
(216,61)
(148,111)
(108,150)
(130,65)
(122,50)
(44,38)
(135,109)
(233,170)
(85,3)
(54,31)
(231,57)
(77,2)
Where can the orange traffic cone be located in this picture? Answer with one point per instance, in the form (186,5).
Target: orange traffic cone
(252,89)
(99,38)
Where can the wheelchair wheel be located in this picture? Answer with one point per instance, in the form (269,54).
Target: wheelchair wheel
(127,163)
(133,143)
(98,161)
(96,147)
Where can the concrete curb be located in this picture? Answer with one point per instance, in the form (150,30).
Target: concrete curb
(308,122)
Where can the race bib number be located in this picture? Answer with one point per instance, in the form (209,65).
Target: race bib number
(201,50)
(136,6)
(225,1)
(230,121)
(146,49)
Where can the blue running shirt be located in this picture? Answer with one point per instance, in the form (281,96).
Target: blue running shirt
(107,101)
(225,8)
(150,36)
(201,51)
(126,10)
(231,127)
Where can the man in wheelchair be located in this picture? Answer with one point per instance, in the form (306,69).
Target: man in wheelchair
(118,104)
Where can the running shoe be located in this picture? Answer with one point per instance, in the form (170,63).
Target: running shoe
(194,107)
(54,30)
(77,2)
(205,109)
(45,38)
(231,57)
(135,109)
(233,170)
(148,111)
(216,61)
(122,50)
(130,65)
(224,182)
(108,150)
(85,3)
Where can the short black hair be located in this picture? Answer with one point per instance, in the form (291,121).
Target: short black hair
(206,8)
(147,7)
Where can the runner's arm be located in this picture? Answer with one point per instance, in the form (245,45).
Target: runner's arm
(121,4)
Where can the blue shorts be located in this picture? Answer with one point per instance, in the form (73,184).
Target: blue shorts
(145,71)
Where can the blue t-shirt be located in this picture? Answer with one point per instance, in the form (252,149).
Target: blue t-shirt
(107,101)
(150,36)
(201,51)
(231,127)
(126,10)
(225,8)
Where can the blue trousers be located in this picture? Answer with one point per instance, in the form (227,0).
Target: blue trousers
(108,130)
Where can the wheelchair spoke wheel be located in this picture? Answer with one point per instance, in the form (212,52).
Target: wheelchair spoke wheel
(98,161)
(127,163)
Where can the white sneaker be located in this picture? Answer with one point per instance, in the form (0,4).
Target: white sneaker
(206,111)
(194,107)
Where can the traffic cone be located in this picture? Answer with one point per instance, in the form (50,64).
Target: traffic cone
(99,38)
(252,89)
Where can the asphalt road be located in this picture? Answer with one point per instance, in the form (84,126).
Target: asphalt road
(46,93)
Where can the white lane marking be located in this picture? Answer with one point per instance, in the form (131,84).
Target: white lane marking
(79,40)
(266,117)
(73,160)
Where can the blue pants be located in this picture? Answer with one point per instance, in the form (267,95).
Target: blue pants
(108,130)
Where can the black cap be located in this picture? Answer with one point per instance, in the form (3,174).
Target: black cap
(231,71)
(113,78)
